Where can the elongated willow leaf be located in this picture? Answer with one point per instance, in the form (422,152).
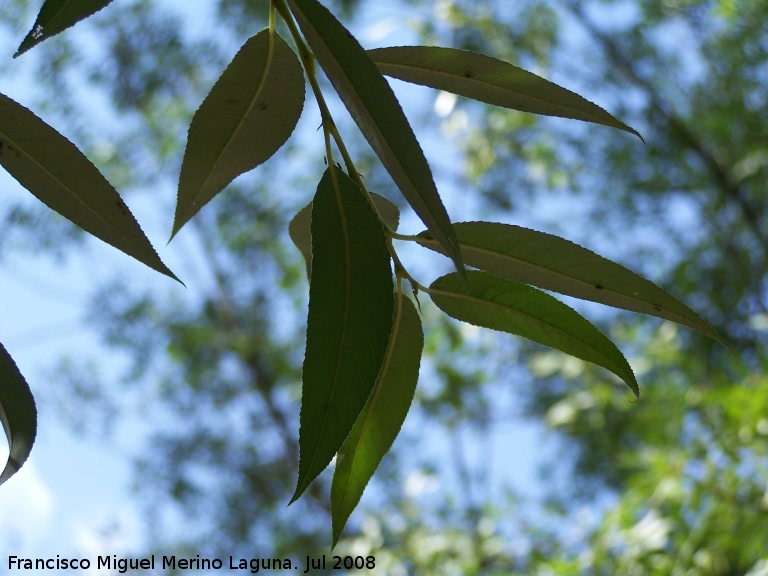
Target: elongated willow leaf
(249,114)
(299,228)
(60,176)
(382,417)
(351,305)
(17,413)
(56,16)
(373,105)
(492,302)
(556,264)
(488,80)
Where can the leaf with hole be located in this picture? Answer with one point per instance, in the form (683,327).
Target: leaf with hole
(351,306)
(299,227)
(488,80)
(56,16)
(556,264)
(60,176)
(17,413)
(248,115)
(382,417)
(374,107)
(486,300)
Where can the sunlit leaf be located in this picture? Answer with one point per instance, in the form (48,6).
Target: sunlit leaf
(492,302)
(249,114)
(373,105)
(60,176)
(488,80)
(351,305)
(17,413)
(382,417)
(56,16)
(556,264)
(299,230)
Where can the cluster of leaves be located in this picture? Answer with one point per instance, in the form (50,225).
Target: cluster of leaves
(364,335)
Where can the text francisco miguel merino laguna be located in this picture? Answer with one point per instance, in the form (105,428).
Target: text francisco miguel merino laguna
(253,565)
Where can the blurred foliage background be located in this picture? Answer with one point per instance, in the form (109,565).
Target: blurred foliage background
(676,484)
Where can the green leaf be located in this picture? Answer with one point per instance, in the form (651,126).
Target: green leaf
(56,16)
(299,228)
(60,176)
(249,114)
(17,413)
(351,306)
(382,417)
(373,105)
(556,264)
(492,302)
(488,80)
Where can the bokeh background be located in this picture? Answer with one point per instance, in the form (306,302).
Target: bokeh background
(169,416)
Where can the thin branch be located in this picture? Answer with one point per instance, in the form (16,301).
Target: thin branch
(678,128)
(263,379)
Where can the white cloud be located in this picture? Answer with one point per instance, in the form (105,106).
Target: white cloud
(26,506)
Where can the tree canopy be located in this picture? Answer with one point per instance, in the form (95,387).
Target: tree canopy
(679,476)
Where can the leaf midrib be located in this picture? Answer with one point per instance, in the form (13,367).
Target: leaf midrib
(477,300)
(478,83)
(377,390)
(58,12)
(345,314)
(56,179)
(262,82)
(562,276)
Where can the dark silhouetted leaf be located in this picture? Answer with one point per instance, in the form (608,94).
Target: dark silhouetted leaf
(382,417)
(377,112)
(300,235)
(17,413)
(249,114)
(351,306)
(488,80)
(556,264)
(492,302)
(56,16)
(60,176)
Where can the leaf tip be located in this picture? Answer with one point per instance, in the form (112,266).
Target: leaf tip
(632,383)
(24,47)
(18,413)
(336,535)
(173,276)
(160,266)
(626,128)
(296,495)
(301,485)
(178,224)
(456,255)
